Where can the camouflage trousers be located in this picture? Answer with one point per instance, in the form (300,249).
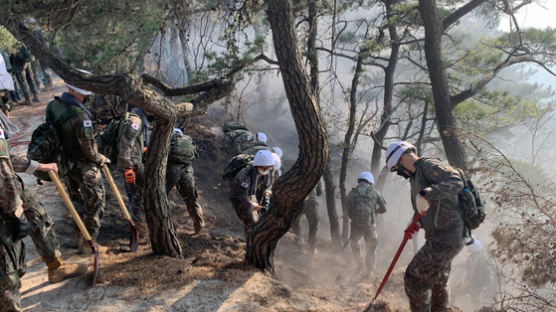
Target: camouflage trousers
(42,227)
(310,210)
(135,195)
(12,267)
(87,193)
(368,232)
(181,177)
(25,80)
(426,276)
(38,66)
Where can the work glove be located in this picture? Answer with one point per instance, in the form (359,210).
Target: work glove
(422,203)
(20,228)
(412,229)
(130,177)
(144,150)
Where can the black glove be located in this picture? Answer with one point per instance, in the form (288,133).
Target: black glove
(20,228)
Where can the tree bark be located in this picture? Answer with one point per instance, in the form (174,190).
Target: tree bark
(389,72)
(330,191)
(445,119)
(348,142)
(290,190)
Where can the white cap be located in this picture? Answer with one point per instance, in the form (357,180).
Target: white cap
(263,158)
(366,175)
(395,151)
(78,90)
(278,151)
(261,137)
(178,130)
(277,162)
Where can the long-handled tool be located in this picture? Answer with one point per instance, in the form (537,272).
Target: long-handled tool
(396,257)
(133,234)
(54,177)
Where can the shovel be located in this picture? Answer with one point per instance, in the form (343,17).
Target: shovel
(133,234)
(54,177)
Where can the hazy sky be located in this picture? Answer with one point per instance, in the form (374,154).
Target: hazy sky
(539,15)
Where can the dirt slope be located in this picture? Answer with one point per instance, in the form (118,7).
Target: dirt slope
(212,277)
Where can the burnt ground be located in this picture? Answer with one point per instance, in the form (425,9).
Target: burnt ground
(212,276)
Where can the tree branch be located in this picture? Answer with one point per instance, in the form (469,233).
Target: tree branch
(459,13)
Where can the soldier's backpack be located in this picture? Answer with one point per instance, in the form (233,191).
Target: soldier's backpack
(235,165)
(45,146)
(470,203)
(233,125)
(182,149)
(107,140)
(360,212)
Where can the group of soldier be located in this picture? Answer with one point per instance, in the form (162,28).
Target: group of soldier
(434,189)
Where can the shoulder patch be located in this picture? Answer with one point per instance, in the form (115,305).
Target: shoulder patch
(135,126)
(244,184)
(87,123)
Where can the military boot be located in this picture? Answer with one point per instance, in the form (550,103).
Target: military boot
(83,246)
(36,98)
(27,101)
(59,271)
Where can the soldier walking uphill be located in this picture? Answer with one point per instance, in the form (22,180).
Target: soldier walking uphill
(364,202)
(72,122)
(22,69)
(250,189)
(434,190)
(310,210)
(179,174)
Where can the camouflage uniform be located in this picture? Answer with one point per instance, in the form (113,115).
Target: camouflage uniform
(255,147)
(246,188)
(427,274)
(310,210)
(23,72)
(239,139)
(83,179)
(364,202)
(12,252)
(130,155)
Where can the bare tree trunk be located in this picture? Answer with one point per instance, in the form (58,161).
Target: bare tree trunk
(290,190)
(445,119)
(348,142)
(389,72)
(312,57)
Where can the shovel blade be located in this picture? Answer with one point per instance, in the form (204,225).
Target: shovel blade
(95,264)
(133,237)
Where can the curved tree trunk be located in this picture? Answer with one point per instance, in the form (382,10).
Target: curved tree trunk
(330,191)
(348,142)
(445,119)
(290,190)
(164,240)
(389,72)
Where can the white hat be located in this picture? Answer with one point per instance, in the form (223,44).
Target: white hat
(261,137)
(263,158)
(366,175)
(395,151)
(277,162)
(178,131)
(278,151)
(78,90)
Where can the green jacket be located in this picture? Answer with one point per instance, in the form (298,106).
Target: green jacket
(364,202)
(442,183)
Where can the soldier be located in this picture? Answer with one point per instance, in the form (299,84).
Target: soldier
(310,210)
(237,136)
(434,190)
(72,122)
(36,65)
(179,174)
(22,69)
(250,189)
(364,202)
(131,143)
(258,144)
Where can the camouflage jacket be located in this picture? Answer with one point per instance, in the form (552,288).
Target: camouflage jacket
(10,198)
(130,143)
(75,132)
(248,185)
(363,203)
(255,147)
(442,183)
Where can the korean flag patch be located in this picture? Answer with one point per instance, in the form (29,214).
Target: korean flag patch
(87,123)
(2,134)
(135,126)
(244,184)
(88,129)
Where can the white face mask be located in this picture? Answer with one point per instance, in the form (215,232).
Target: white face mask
(263,172)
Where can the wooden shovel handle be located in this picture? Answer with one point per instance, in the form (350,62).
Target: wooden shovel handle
(54,177)
(114,188)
